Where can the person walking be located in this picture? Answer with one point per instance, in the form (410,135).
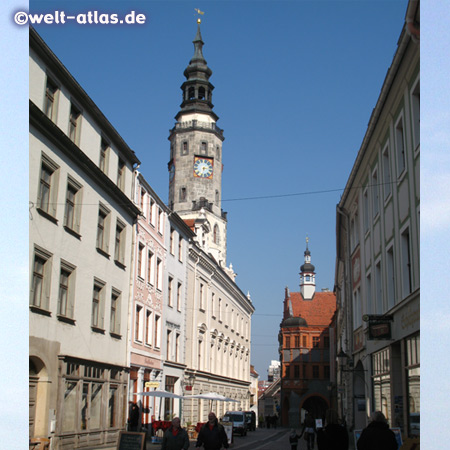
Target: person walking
(377,435)
(212,435)
(308,429)
(334,436)
(175,437)
(293,439)
(133,417)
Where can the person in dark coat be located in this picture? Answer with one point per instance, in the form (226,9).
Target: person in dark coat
(133,417)
(334,436)
(377,435)
(293,439)
(212,435)
(175,437)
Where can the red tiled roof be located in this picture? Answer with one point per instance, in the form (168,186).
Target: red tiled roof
(190,223)
(318,311)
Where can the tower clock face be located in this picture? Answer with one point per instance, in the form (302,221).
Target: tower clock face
(203,167)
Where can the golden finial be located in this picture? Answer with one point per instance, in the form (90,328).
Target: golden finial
(199,21)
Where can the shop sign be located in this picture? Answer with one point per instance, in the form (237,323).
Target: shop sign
(379,326)
(152,384)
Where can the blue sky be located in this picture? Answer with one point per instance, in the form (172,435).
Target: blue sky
(295,84)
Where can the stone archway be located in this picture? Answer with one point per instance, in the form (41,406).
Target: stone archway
(316,405)
(38,398)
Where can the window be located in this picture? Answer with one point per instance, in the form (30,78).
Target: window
(148,327)
(121,175)
(201,297)
(114,326)
(74,124)
(213,304)
(390,278)
(220,310)
(304,341)
(406,263)
(170,292)
(168,344)
(113,404)
(204,148)
(150,269)
(72,213)
(201,93)
(216,234)
(158,274)
(218,153)
(400,146)
(179,297)
(183,194)
(357,315)
(296,341)
(140,266)
(66,296)
(51,96)
(315,371)
(157,340)
(104,218)
(184,148)
(316,341)
(48,186)
(151,213)
(375,197)
(296,371)
(119,247)
(415,106)
(369,294)
(288,342)
(177,347)
(172,241)
(160,221)
(104,153)
(98,304)
(378,290)
(40,285)
(354,232)
(180,249)
(137,323)
(386,172)
(217,197)
(366,210)
(143,195)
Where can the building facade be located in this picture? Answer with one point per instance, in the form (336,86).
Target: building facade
(306,349)
(82,222)
(377,268)
(218,313)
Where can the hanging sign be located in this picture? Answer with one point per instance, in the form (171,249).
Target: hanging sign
(151,384)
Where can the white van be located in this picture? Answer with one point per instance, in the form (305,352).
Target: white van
(238,419)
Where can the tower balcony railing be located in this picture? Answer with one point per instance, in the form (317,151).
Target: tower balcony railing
(199,125)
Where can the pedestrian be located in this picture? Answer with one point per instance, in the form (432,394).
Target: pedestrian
(293,439)
(268,421)
(133,417)
(334,436)
(212,435)
(377,435)
(308,429)
(175,437)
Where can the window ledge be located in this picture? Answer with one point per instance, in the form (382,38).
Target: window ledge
(120,264)
(115,335)
(97,330)
(102,252)
(66,319)
(72,232)
(38,310)
(47,215)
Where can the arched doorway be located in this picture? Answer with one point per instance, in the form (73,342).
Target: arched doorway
(360,396)
(316,405)
(38,398)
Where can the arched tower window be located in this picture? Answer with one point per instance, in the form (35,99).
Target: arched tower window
(216,234)
(201,93)
(191,93)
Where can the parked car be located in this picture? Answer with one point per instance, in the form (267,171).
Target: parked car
(250,420)
(238,419)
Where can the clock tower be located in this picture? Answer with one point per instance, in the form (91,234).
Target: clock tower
(307,276)
(195,166)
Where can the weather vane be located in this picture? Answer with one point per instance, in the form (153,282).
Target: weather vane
(199,13)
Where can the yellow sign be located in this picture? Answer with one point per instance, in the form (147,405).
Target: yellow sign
(152,384)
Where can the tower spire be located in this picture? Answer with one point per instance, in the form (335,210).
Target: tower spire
(307,276)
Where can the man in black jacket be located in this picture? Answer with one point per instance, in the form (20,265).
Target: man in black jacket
(377,435)
(212,435)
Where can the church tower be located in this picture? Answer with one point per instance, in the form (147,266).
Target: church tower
(307,276)
(195,166)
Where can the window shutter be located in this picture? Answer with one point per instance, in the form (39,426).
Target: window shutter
(47,284)
(77,212)
(106,236)
(71,296)
(54,192)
